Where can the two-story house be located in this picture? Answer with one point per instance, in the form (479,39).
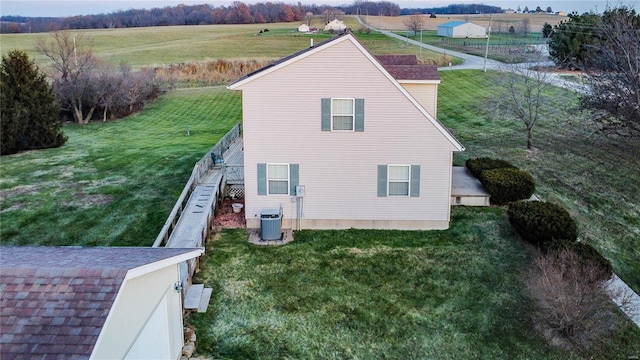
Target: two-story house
(338,138)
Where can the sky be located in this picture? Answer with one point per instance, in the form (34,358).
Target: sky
(57,8)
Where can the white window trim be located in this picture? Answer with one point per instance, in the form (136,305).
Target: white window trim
(269,178)
(353,115)
(408,181)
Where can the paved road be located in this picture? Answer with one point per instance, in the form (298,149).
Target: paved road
(477,62)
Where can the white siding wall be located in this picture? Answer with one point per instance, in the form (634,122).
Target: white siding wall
(137,302)
(339,169)
(469,30)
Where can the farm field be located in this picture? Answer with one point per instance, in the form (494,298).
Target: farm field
(156,46)
(498,20)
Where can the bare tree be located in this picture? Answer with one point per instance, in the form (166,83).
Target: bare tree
(613,71)
(73,65)
(307,18)
(574,309)
(524,97)
(108,89)
(414,22)
(136,87)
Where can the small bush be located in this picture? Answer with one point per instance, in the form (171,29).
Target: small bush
(477,165)
(506,185)
(542,223)
(588,256)
(573,310)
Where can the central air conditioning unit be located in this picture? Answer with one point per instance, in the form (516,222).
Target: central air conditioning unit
(271,224)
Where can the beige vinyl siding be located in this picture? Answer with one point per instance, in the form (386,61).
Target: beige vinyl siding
(282,124)
(426,94)
(137,301)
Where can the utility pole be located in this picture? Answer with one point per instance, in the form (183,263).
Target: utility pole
(486,51)
(420,41)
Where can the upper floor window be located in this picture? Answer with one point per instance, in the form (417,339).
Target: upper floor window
(342,114)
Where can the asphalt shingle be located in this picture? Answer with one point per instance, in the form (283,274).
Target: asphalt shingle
(54,300)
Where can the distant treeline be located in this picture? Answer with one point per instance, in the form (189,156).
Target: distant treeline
(236,13)
(455,9)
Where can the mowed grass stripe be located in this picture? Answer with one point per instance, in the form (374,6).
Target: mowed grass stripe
(113,184)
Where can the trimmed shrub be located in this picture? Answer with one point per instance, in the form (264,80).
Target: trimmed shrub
(542,223)
(588,256)
(477,165)
(506,185)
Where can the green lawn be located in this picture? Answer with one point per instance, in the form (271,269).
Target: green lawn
(112,184)
(594,176)
(368,294)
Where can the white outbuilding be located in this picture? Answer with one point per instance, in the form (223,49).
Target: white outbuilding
(461,29)
(335,25)
(303,28)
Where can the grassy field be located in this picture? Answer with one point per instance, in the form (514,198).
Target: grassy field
(592,175)
(112,184)
(366,294)
(176,44)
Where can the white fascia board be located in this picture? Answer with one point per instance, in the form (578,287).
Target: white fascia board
(148,268)
(436,82)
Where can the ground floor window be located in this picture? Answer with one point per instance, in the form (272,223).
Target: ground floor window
(399,180)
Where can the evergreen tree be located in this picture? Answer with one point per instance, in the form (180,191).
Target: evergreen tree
(572,38)
(27,107)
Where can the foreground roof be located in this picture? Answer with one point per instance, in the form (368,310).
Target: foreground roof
(54,300)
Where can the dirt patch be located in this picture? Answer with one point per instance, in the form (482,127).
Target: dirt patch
(87,201)
(18,190)
(14,207)
(226,218)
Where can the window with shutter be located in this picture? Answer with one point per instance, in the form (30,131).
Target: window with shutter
(342,114)
(398,180)
(277,179)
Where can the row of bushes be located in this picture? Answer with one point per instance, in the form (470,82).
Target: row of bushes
(567,279)
(550,227)
(504,182)
(545,225)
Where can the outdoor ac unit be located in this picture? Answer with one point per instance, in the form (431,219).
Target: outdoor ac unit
(270,224)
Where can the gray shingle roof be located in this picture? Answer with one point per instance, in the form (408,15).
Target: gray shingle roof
(406,67)
(397,59)
(55,300)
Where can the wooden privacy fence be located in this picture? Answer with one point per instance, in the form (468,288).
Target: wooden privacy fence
(199,172)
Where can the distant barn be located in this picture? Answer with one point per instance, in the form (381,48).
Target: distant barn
(461,29)
(303,28)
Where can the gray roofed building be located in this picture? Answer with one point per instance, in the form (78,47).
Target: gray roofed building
(56,302)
